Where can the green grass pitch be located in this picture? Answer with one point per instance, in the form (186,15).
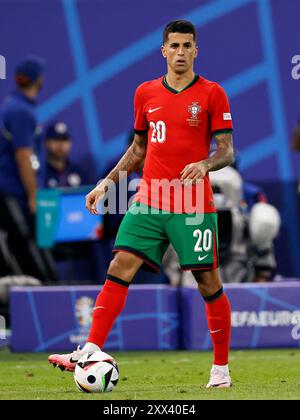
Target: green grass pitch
(180,375)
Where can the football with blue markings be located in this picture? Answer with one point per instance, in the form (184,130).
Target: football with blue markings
(96,372)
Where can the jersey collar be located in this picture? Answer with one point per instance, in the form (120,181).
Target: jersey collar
(167,86)
(24,98)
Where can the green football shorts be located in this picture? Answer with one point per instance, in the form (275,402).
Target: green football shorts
(147,235)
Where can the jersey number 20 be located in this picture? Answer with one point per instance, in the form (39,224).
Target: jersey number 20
(159,131)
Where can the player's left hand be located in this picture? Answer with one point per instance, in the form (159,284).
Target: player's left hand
(193,172)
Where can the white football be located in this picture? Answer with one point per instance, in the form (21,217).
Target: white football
(96,372)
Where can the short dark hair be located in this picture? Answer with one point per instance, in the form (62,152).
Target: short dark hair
(29,70)
(181,26)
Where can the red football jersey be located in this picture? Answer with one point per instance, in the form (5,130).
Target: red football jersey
(180,128)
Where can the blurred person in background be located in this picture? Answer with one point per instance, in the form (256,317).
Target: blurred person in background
(77,262)
(19,135)
(59,170)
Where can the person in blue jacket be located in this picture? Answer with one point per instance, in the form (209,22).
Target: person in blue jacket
(19,133)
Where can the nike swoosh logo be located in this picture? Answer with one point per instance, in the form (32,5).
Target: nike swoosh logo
(215,332)
(202,258)
(154,109)
(98,307)
(73,361)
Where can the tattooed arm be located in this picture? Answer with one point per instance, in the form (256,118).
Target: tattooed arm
(130,162)
(224,156)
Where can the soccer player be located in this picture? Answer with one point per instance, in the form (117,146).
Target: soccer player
(176,116)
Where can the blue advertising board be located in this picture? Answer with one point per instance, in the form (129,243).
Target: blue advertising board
(263,316)
(59,318)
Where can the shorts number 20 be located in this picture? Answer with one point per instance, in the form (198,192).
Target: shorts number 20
(159,131)
(204,242)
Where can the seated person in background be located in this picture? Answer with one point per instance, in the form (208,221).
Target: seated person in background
(59,171)
(77,262)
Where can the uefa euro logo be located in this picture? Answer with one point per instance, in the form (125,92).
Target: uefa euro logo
(84,312)
(2,67)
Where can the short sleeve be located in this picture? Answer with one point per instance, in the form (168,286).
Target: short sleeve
(220,115)
(21,127)
(140,119)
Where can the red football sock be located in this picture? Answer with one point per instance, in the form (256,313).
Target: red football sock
(109,304)
(218,313)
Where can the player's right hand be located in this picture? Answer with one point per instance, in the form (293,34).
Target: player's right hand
(94,197)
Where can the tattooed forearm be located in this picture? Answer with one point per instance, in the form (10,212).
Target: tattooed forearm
(131,160)
(224,155)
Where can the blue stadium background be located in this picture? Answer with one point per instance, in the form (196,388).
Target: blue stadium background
(98,51)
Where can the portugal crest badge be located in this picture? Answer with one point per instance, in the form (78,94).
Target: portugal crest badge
(194,109)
